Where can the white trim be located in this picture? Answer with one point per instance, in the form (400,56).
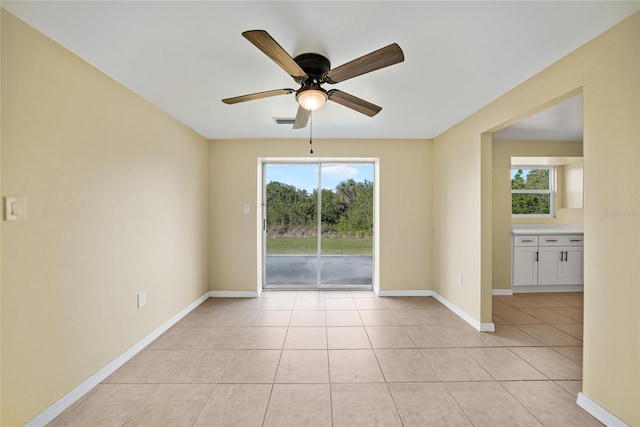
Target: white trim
(261,215)
(497,292)
(601,414)
(261,185)
(405,293)
(482,327)
(376,225)
(487,327)
(74,395)
(547,288)
(234,294)
(551,191)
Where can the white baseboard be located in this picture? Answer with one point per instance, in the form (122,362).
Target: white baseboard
(548,288)
(234,294)
(405,293)
(496,292)
(601,414)
(74,395)
(487,327)
(482,327)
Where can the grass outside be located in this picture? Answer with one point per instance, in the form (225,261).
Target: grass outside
(309,245)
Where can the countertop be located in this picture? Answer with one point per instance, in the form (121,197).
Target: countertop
(518,229)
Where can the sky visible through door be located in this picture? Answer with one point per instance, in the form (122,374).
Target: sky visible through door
(332,174)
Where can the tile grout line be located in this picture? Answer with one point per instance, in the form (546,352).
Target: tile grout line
(266,407)
(273,382)
(395,405)
(444,384)
(142,404)
(204,404)
(330,385)
(521,403)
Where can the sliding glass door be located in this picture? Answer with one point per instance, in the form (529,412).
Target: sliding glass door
(318,225)
(346,243)
(290,241)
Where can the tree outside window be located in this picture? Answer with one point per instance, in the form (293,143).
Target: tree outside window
(532,191)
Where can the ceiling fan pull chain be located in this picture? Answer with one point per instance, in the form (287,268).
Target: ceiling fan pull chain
(311,132)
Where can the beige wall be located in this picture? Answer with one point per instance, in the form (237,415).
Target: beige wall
(612,243)
(573,186)
(607,70)
(502,151)
(117,203)
(457,217)
(405,207)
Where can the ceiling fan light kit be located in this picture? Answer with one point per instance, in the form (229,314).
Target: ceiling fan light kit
(311,99)
(311,70)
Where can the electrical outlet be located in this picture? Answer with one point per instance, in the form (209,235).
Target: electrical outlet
(15,209)
(459,279)
(142,299)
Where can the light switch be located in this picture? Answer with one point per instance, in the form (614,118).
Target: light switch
(15,208)
(246,208)
(142,299)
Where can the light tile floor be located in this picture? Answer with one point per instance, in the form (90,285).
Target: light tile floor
(341,358)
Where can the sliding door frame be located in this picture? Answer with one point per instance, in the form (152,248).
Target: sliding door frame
(261,212)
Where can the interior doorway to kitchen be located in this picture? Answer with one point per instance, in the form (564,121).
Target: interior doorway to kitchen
(318,224)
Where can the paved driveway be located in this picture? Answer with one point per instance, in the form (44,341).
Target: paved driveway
(335,269)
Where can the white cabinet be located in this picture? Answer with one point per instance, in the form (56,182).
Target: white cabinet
(550,266)
(547,262)
(525,266)
(525,260)
(573,267)
(560,260)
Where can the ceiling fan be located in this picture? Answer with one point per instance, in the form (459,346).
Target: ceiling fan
(311,70)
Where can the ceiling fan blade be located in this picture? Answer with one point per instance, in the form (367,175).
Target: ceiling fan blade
(257,95)
(302,118)
(376,60)
(353,102)
(263,41)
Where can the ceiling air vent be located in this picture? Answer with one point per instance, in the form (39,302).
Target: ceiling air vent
(284,120)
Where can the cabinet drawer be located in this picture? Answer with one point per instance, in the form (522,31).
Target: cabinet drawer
(551,240)
(525,240)
(576,240)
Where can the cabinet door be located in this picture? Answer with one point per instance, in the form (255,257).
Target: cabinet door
(572,267)
(525,266)
(550,266)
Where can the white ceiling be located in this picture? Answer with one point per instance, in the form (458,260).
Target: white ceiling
(186,56)
(562,122)
(545,161)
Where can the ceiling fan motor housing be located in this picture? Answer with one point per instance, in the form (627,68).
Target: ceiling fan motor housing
(315,65)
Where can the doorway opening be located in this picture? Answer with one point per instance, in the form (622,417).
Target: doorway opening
(318,228)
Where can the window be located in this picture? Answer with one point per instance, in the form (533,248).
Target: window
(532,192)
